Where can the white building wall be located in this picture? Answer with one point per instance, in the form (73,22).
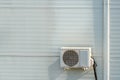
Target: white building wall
(115,40)
(33,31)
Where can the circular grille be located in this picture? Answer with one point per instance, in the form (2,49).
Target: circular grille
(70,58)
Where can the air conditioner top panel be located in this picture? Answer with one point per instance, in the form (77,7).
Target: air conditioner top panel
(76,48)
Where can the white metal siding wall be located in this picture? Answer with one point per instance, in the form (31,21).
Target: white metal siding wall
(38,28)
(115,40)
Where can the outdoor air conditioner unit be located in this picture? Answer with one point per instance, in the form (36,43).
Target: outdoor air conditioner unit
(76,57)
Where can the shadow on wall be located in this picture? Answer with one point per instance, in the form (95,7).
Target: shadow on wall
(55,72)
(98,38)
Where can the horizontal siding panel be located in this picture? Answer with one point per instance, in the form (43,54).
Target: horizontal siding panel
(33,31)
(115,4)
(115,77)
(44,31)
(52,3)
(114,40)
(16,68)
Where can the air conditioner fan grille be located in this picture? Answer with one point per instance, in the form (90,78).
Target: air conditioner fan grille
(70,58)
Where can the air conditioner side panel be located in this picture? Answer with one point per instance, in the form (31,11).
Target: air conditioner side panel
(85,58)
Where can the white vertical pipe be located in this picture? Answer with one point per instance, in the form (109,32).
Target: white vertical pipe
(106,39)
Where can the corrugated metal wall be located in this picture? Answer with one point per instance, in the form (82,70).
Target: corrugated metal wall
(32,32)
(115,40)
